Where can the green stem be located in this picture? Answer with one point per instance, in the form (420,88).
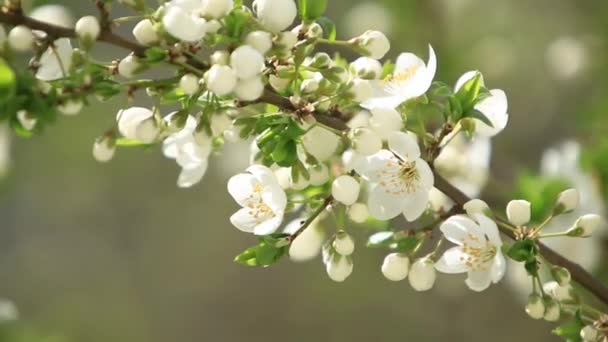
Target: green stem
(312,217)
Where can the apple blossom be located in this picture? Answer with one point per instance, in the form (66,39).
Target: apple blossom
(343,243)
(535,307)
(339,267)
(567,201)
(216,8)
(70,107)
(129,66)
(56,61)
(249,89)
(366,142)
(320,143)
(26,120)
(585,226)
(374,43)
(366,68)
(308,244)
(137,123)
(358,213)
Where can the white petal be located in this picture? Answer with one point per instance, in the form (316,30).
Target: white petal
(452,261)
(243,221)
(499,267)
(55,62)
(268,226)
(275,198)
(416,204)
(381,98)
(427,178)
(183,25)
(190,177)
(262,173)
(457,227)
(404,145)
(479,280)
(495,109)
(240,187)
(129,119)
(370,167)
(489,228)
(383,205)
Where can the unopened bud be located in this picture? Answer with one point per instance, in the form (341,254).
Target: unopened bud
(566,202)
(344,243)
(585,225)
(396,266)
(422,274)
(535,307)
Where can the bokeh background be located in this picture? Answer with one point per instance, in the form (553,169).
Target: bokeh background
(117,252)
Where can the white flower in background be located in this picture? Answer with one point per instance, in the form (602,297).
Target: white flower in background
(137,123)
(182,20)
(191,151)
(5,148)
(411,78)
(493,107)
(145,33)
(275,15)
(385,121)
(216,8)
(400,179)
(8,311)
(54,14)
(319,174)
(366,16)
(247,62)
(189,83)
(262,198)
(28,122)
(422,274)
(478,252)
(103,149)
(70,107)
(590,333)
(358,213)
(395,266)
(519,212)
(558,292)
(128,66)
(366,68)
(21,38)
(339,267)
(320,143)
(563,162)
(56,61)
(308,244)
(567,57)
(465,163)
(343,243)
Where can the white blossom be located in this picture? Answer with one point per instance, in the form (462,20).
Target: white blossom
(189,84)
(103,149)
(26,120)
(366,68)
(396,266)
(182,20)
(220,57)
(557,291)
(247,62)
(493,107)
(53,14)
(422,274)
(137,123)
(385,121)
(70,107)
(361,90)
(145,33)
(5,148)
(128,66)
(307,245)
(319,174)
(344,243)
(56,61)
(345,189)
(567,201)
(8,311)
(220,123)
(535,307)
(275,15)
(478,251)
(21,38)
(411,78)
(259,40)
(366,142)
(400,179)
(518,212)
(216,8)
(476,206)
(552,311)
(88,28)
(221,79)
(262,198)
(585,225)
(249,89)
(589,333)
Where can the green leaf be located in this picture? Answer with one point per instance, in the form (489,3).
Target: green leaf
(312,9)
(571,331)
(540,191)
(267,252)
(467,94)
(155,54)
(475,114)
(329,28)
(522,251)
(235,23)
(398,241)
(8,82)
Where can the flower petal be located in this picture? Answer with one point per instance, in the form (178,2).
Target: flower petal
(240,187)
(191,176)
(243,220)
(499,266)
(383,205)
(55,62)
(370,168)
(489,228)
(452,261)
(427,178)
(479,280)
(495,109)
(415,204)
(457,227)
(275,198)
(268,226)
(381,98)
(404,145)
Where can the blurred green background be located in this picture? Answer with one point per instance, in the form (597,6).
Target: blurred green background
(117,252)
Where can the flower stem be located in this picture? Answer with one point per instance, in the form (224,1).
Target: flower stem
(312,217)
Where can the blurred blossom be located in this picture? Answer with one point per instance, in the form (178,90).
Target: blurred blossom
(234,159)
(367,16)
(494,55)
(54,14)
(8,311)
(455,7)
(5,147)
(566,57)
(564,162)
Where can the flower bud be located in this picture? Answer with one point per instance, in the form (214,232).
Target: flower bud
(145,34)
(275,15)
(366,68)
(216,8)
(535,307)
(286,40)
(220,57)
(183,25)
(249,89)
(321,60)
(259,40)
(422,274)
(560,293)
(220,123)
(128,66)
(147,131)
(360,89)
(589,333)
(585,225)
(552,310)
(319,174)
(26,120)
(103,149)
(344,243)
(313,30)
(566,202)
(345,189)
(385,121)
(320,143)
(301,184)
(518,212)
(307,245)
(396,266)
(561,275)
(246,61)
(309,86)
(366,141)
(358,213)
(70,107)
(189,84)
(221,80)
(374,43)
(88,28)
(339,267)
(477,206)
(129,119)
(21,38)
